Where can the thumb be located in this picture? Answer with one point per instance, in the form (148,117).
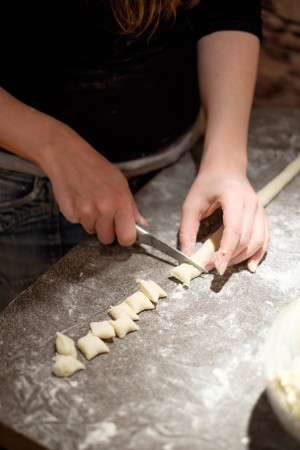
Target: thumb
(189,227)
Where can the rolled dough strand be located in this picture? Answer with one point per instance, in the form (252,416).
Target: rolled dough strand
(272,189)
(185,272)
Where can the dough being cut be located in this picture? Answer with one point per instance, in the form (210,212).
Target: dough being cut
(65,366)
(65,345)
(124,325)
(116,311)
(139,302)
(103,329)
(91,346)
(186,272)
(152,290)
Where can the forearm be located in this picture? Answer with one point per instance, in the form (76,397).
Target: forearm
(227,65)
(29,133)
(227,73)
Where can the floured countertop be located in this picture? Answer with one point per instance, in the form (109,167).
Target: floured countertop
(192,377)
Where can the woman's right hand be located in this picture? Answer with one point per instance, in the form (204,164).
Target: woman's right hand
(92,191)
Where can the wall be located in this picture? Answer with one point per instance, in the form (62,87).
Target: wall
(278,82)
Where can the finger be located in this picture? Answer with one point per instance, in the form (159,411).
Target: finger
(189,228)
(86,218)
(190,221)
(250,212)
(252,263)
(89,227)
(73,220)
(106,230)
(137,215)
(125,225)
(119,222)
(69,211)
(258,256)
(107,214)
(258,238)
(209,264)
(233,223)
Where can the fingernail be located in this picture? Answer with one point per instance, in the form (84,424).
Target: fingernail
(252,266)
(221,267)
(220,263)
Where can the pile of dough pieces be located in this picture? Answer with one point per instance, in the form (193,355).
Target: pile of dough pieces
(286,385)
(124,317)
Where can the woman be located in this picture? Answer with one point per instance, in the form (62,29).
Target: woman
(95,92)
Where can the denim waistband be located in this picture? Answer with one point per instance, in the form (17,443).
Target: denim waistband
(17,164)
(158,160)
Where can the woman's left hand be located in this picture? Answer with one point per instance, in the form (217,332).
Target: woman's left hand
(246,228)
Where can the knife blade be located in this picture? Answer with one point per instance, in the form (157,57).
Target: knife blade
(144,237)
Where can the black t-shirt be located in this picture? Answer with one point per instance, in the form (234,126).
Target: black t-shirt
(126,97)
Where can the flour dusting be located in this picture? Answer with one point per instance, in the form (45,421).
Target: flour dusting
(222,378)
(178,295)
(285,281)
(102,434)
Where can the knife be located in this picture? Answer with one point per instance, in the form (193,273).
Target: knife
(144,237)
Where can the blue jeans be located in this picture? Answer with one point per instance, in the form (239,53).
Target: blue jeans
(33,233)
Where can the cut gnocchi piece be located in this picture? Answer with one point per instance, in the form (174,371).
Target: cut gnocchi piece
(91,346)
(139,302)
(124,325)
(116,311)
(103,329)
(151,289)
(65,365)
(65,345)
(185,273)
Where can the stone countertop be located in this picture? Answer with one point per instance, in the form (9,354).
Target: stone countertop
(192,377)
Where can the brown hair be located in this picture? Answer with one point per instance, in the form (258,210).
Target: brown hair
(137,17)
